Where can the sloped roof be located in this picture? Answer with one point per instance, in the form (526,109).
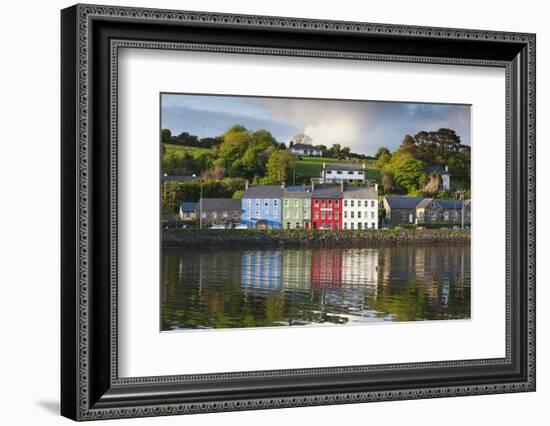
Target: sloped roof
(327,192)
(437,169)
(188,206)
(424,203)
(403,202)
(450,204)
(220,204)
(297,192)
(362,192)
(263,191)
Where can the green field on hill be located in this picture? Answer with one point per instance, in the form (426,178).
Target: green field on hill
(179,150)
(312,166)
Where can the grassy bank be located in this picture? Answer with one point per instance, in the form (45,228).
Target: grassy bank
(308,238)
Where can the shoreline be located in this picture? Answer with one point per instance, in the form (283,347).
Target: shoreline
(207,238)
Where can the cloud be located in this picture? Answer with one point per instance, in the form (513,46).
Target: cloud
(362,125)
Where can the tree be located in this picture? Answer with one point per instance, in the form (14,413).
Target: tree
(301,138)
(406,170)
(382,151)
(387,182)
(166,135)
(408,145)
(345,151)
(215,173)
(383,159)
(278,167)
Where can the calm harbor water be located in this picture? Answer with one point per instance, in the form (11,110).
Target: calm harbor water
(235,288)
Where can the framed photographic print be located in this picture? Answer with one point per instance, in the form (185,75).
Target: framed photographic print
(263,212)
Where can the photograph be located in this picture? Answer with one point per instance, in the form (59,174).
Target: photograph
(279,212)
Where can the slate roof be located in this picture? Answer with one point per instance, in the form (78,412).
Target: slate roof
(297,192)
(327,192)
(263,191)
(437,169)
(450,204)
(402,202)
(361,192)
(188,206)
(304,146)
(220,204)
(344,166)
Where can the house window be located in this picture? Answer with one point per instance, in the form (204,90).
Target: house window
(286,203)
(345,203)
(403,216)
(288,225)
(433,216)
(352,214)
(358,215)
(372,215)
(287,215)
(296,214)
(305,202)
(345,225)
(257,202)
(359,225)
(336,203)
(329,172)
(275,202)
(366,225)
(336,215)
(373,225)
(330,202)
(351,225)
(297,225)
(275,214)
(339,172)
(266,202)
(248,215)
(316,215)
(358,203)
(372,203)
(316,203)
(323,215)
(345,214)
(257,214)
(330,214)
(322,203)
(248,202)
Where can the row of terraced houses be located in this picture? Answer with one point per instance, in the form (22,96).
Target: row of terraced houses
(331,207)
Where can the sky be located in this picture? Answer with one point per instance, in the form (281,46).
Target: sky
(364,126)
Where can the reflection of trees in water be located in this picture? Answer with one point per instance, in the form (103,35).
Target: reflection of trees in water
(422,282)
(254,288)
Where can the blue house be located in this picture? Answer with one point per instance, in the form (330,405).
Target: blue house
(261,206)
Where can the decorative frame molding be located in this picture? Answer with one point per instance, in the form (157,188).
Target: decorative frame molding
(91,388)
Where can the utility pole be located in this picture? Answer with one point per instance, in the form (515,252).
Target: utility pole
(461,192)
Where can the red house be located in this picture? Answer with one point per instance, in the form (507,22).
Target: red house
(326,207)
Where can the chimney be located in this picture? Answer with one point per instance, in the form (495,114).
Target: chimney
(376,187)
(246,184)
(342,186)
(312,185)
(364,167)
(283,185)
(446,168)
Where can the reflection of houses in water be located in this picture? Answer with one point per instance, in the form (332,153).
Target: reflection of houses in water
(360,267)
(261,269)
(326,268)
(296,269)
(440,269)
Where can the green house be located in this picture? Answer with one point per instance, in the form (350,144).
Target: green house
(296,212)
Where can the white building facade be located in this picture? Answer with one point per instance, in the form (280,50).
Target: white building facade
(343,173)
(360,208)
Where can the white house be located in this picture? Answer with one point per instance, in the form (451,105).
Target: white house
(360,208)
(305,149)
(343,173)
(445,175)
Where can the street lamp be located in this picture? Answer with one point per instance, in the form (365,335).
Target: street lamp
(461,194)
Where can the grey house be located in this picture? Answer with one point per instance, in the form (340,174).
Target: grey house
(400,209)
(219,211)
(431,210)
